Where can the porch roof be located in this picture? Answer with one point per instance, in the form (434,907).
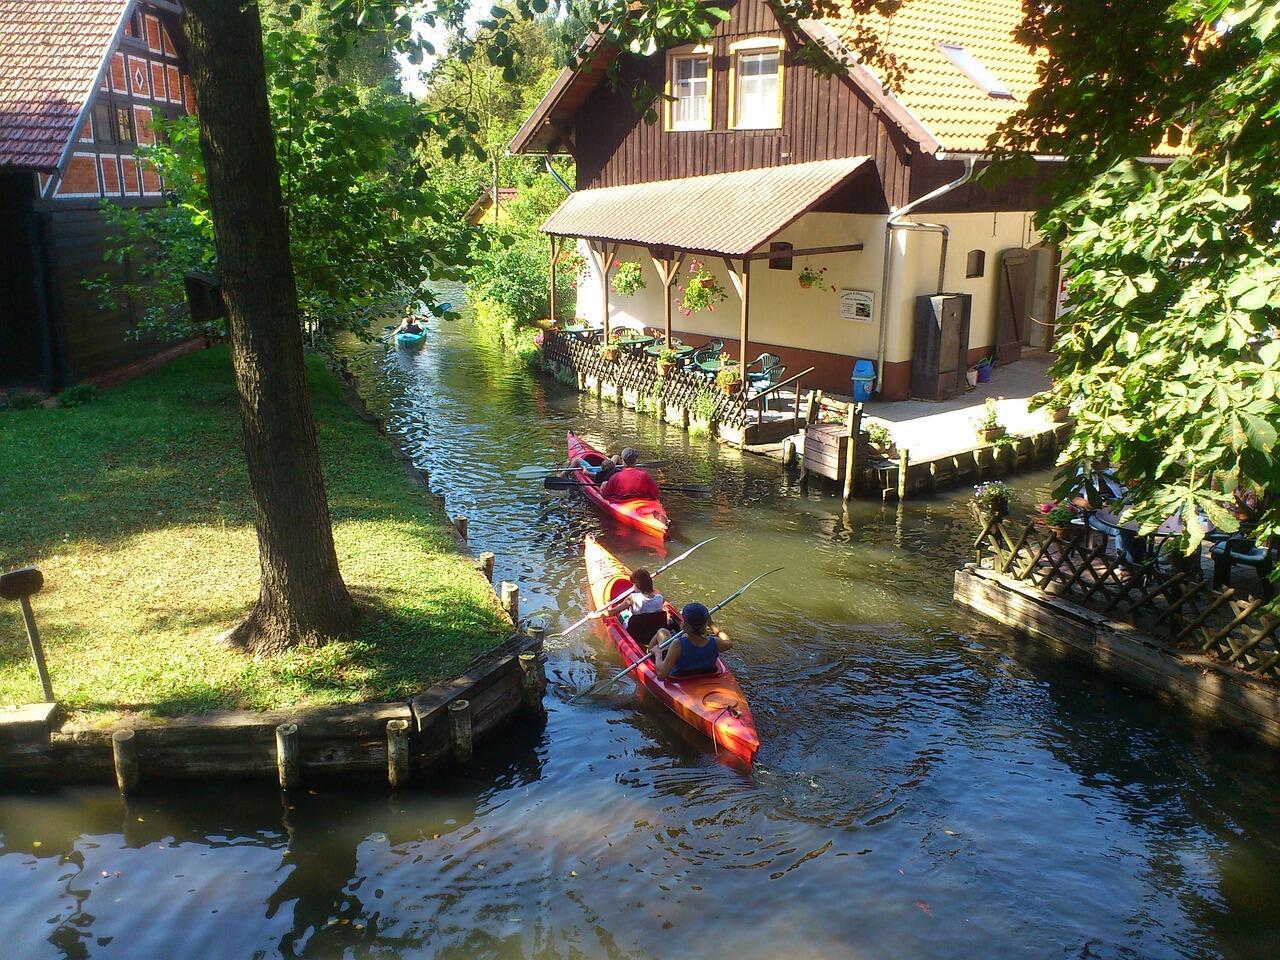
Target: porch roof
(722,214)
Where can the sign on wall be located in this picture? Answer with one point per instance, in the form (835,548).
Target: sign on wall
(856,305)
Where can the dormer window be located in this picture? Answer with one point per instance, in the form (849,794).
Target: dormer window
(690,89)
(756,91)
(976,70)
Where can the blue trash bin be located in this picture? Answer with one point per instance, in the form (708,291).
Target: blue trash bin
(864,380)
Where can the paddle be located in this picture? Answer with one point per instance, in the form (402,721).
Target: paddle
(564,483)
(534,473)
(673,638)
(628,592)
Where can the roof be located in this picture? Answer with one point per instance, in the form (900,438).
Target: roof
(485,201)
(50,55)
(951,106)
(723,214)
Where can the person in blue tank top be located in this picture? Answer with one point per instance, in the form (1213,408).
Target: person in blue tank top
(696,651)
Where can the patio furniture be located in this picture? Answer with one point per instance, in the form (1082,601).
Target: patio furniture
(634,341)
(582,332)
(771,377)
(716,344)
(1244,551)
(767,362)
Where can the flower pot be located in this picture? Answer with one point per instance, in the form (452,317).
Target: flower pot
(806,283)
(730,389)
(984,373)
(1060,531)
(1061,415)
(992,433)
(663,367)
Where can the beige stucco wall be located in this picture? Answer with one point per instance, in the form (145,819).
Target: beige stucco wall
(784,313)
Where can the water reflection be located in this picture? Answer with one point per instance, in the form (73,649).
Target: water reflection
(926,787)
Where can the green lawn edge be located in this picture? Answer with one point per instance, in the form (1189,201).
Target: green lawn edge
(136,508)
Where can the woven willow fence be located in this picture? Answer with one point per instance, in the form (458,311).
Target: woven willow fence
(639,372)
(1177,605)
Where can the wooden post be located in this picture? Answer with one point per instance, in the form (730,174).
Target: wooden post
(510,594)
(21,585)
(398,769)
(288,765)
(460,729)
(813,406)
(486,564)
(531,679)
(668,270)
(461,524)
(741,277)
(551,306)
(853,430)
(904,464)
(124,751)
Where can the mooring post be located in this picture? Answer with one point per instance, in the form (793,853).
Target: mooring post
(904,464)
(398,752)
(287,761)
(124,751)
(460,523)
(531,679)
(853,430)
(510,594)
(21,585)
(460,730)
(486,564)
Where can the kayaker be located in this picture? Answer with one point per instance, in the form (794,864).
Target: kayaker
(629,482)
(599,472)
(644,611)
(696,651)
(409,325)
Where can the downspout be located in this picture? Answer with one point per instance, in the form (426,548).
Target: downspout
(895,223)
(546,158)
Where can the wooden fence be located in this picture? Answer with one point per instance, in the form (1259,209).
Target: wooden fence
(1168,599)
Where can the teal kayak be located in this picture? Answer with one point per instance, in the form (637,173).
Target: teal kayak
(410,339)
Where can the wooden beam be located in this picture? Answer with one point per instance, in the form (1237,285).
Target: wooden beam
(744,291)
(805,252)
(667,271)
(551,308)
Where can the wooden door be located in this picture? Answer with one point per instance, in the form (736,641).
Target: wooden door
(1013,303)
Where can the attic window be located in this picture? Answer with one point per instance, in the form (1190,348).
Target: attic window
(976,71)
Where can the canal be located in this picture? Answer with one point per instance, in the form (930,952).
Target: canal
(926,788)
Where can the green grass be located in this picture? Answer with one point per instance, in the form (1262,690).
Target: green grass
(136,508)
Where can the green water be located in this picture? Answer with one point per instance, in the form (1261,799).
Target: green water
(925,787)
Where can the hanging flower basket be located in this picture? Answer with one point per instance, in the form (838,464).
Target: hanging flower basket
(810,278)
(700,290)
(628,278)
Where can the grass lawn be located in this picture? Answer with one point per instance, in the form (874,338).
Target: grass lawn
(136,508)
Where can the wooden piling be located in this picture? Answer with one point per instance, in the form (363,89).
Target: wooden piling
(531,681)
(124,751)
(486,564)
(460,524)
(37,648)
(460,730)
(853,429)
(904,464)
(288,763)
(789,454)
(510,594)
(398,767)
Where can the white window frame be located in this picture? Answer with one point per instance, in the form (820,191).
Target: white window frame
(754,46)
(702,52)
(976,71)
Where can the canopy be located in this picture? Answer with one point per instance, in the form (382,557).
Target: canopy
(722,214)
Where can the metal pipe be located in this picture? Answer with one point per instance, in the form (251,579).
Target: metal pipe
(546,159)
(894,223)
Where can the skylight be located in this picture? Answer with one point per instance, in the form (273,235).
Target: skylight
(976,71)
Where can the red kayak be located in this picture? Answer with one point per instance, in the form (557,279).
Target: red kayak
(712,702)
(644,514)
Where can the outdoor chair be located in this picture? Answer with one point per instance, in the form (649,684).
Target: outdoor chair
(702,355)
(715,345)
(1244,551)
(771,377)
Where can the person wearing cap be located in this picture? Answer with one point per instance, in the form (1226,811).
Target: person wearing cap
(696,650)
(629,482)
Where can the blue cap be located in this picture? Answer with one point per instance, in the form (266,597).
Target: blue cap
(695,615)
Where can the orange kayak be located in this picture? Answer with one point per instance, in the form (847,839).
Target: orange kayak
(712,703)
(646,515)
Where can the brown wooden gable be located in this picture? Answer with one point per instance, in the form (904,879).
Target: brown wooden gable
(823,117)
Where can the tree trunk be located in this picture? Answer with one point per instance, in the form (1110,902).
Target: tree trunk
(302,597)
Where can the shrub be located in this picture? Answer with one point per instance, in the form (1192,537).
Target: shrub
(78,395)
(704,406)
(22,400)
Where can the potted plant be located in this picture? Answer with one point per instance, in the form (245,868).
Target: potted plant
(701,290)
(628,277)
(667,358)
(729,378)
(610,349)
(988,423)
(1058,408)
(1056,516)
(992,498)
(983,367)
(881,440)
(810,277)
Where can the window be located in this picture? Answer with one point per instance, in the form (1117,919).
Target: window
(104,125)
(124,125)
(690,107)
(976,265)
(976,70)
(757,84)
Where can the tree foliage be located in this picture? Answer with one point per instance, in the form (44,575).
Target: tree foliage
(1169,352)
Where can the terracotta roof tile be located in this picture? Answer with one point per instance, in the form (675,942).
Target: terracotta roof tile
(729,214)
(959,113)
(50,54)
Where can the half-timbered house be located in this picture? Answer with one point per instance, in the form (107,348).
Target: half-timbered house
(760,166)
(80,84)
